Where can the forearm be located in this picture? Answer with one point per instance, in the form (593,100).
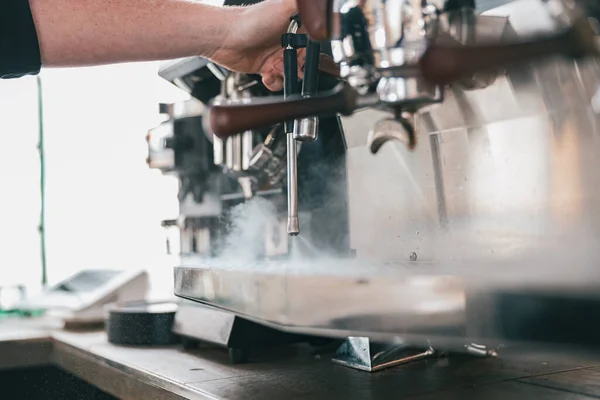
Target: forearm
(91,32)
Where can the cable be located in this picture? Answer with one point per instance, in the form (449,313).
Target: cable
(42,225)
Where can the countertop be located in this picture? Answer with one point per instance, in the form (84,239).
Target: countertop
(293,372)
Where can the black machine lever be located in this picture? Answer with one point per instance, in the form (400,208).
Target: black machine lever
(311,69)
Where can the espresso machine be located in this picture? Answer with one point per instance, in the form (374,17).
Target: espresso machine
(233,192)
(457,144)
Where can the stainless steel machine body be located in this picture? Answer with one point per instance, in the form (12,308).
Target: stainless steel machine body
(485,232)
(505,172)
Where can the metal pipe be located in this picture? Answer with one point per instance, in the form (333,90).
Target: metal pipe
(217,71)
(246,149)
(236,162)
(218,149)
(247,137)
(229,152)
(291,86)
(293,225)
(219,156)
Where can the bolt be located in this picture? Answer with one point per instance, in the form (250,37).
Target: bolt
(413,256)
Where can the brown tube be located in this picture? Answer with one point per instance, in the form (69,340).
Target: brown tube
(316,17)
(229,120)
(328,66)
(444,64)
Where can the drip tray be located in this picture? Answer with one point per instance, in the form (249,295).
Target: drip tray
(416,302)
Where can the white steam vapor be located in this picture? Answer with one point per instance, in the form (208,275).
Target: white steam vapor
(247,224)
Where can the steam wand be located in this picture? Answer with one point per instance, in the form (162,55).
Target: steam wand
(291,87)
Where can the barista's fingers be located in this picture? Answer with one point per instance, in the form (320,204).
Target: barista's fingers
(301,61)
(273,69)
(273,81)
(277,66)
(301,57)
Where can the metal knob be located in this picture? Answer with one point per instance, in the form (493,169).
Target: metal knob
(306,129)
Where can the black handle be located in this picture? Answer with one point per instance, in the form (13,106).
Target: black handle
(311,68)
(291,85)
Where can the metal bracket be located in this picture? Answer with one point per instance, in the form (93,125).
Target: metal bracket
(362,354)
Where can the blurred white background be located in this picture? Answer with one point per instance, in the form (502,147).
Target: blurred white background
(103,204)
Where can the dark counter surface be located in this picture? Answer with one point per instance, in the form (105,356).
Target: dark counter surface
(294,372)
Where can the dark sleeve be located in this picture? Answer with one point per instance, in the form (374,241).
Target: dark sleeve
(19,46)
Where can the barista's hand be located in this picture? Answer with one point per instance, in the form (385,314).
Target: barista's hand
(253,44)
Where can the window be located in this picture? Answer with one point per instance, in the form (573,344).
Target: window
(103,204)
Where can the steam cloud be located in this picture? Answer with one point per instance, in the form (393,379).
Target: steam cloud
(247,223)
